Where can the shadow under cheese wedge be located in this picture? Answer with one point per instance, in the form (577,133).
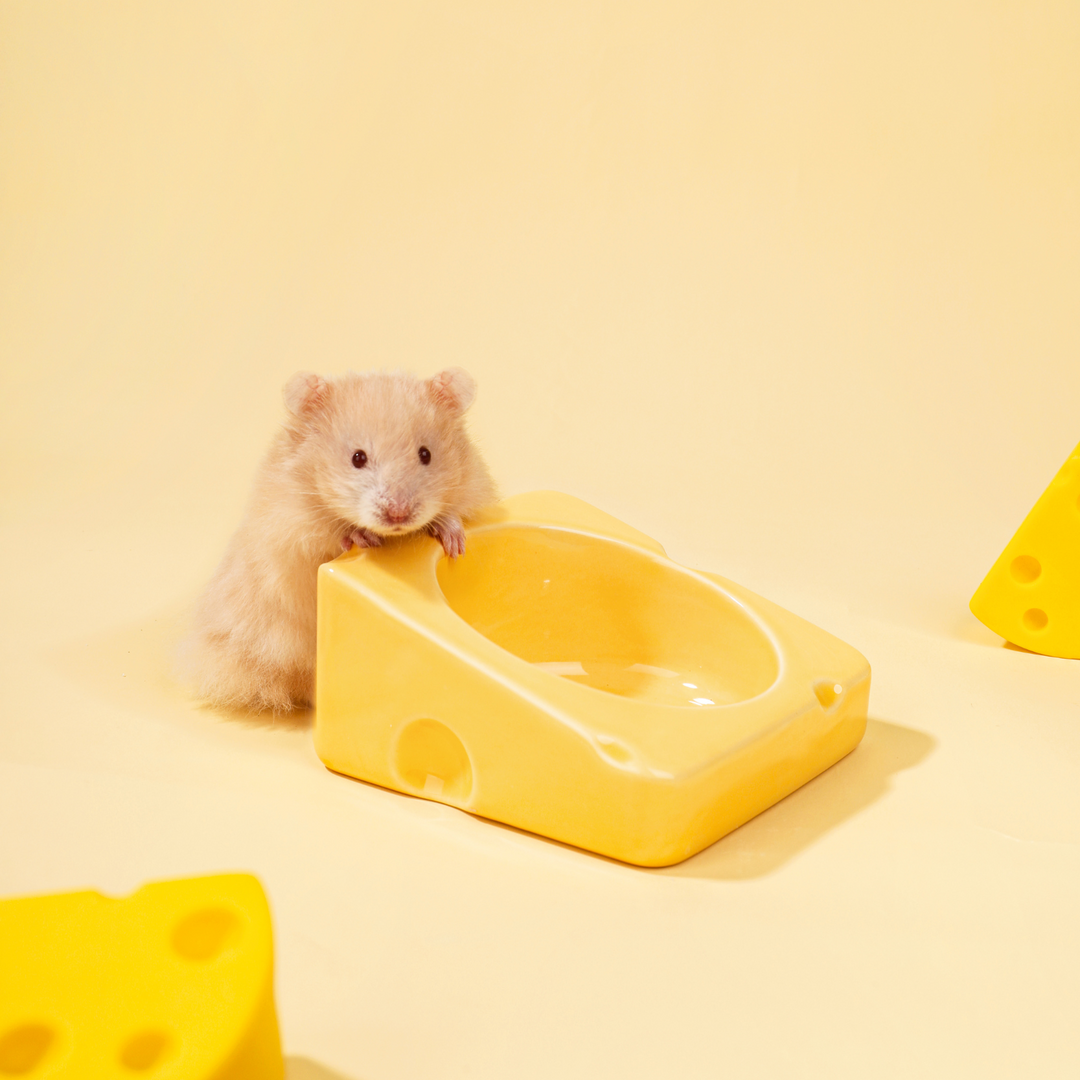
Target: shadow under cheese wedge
(565,677)
(1031,596)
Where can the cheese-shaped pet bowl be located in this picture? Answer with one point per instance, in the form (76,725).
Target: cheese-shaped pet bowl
(566,677)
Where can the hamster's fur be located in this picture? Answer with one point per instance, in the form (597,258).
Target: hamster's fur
(361,457)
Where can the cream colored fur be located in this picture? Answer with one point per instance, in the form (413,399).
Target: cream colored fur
(252,643)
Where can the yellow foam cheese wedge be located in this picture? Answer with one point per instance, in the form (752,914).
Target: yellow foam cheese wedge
(1031,596)
(173,981)
(566,677)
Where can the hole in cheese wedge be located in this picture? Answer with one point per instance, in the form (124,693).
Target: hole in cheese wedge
(144,1051)
(22,1048)
(203,935)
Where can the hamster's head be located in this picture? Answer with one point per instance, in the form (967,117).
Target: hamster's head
(385,450)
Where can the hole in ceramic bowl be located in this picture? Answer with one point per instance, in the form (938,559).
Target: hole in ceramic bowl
(828,692)
(609,616)
(432,760)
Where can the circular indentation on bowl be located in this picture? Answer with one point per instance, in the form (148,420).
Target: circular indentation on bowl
(827,692)
(614,750)
(23,1048)
(433,761)
(1025,569)
(1035,619)
(609,616)
(206,933)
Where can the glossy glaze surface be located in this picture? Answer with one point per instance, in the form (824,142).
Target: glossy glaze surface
(609,616)
(475,682)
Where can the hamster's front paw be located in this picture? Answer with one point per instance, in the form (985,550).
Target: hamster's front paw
(451,534)
(362,538)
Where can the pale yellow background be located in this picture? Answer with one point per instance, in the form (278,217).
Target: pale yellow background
(791,287)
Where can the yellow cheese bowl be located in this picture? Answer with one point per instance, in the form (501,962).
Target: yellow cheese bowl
(564,676)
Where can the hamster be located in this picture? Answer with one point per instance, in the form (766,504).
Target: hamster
(361,457)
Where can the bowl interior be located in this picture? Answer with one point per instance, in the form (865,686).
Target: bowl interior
(608,616)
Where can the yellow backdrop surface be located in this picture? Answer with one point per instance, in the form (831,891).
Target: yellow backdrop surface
(792,288)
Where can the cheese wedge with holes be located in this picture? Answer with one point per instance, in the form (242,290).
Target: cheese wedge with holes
(1031,596)
(175,981)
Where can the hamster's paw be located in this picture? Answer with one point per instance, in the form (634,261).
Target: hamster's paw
(362,538)
(451,534)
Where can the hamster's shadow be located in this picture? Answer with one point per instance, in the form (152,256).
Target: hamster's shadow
(769,840)
(134,667)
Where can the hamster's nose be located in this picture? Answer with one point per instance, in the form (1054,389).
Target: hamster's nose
(396,513)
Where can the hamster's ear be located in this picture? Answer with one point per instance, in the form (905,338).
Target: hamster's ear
(453,390)
(305,394)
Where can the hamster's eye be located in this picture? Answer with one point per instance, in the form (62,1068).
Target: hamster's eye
(359,459)
(425,456)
